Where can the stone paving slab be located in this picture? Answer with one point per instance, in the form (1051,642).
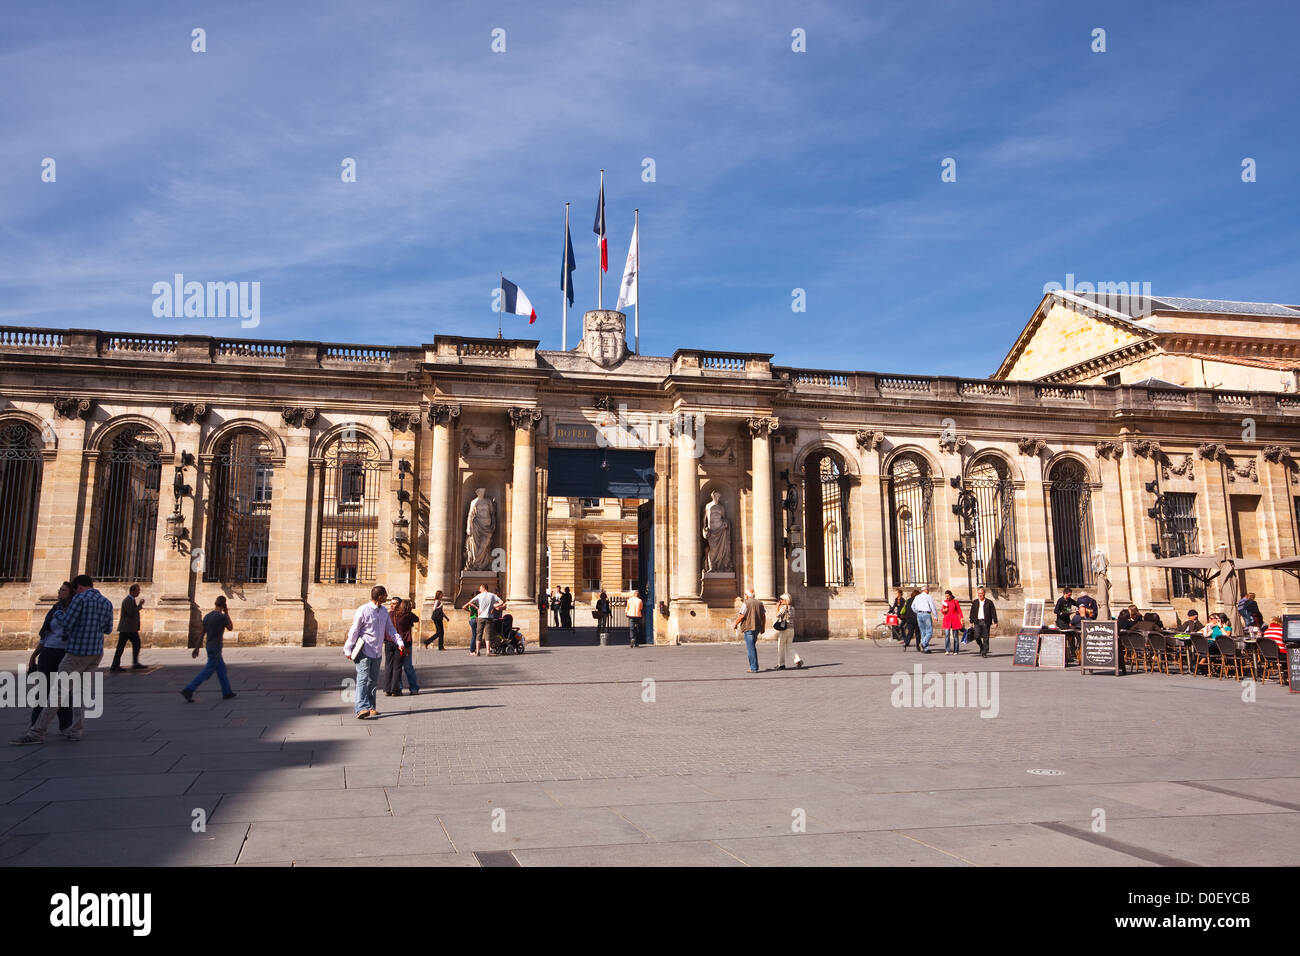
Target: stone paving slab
(341,840)
(145,846)
(589,772)
(116,813)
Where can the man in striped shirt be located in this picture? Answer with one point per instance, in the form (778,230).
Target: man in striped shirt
(88,618)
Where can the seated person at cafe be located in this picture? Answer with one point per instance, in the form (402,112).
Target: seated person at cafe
(1274,632)
(1082,613)
(1193,624)
(1087,602)
(1128,616)
(1065,606)
(1154,618)
(1220,626)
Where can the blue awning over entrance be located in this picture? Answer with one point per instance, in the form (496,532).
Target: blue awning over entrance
(579,473)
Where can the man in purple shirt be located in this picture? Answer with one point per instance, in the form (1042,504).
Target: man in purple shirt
(369,626)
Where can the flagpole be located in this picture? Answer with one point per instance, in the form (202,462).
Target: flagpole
(636,228)
(564,324)
(502,276)
(600,272)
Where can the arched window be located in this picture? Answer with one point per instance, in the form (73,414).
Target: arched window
(124,521)
(20,491)
(911,519)
(995,523)
(826,522)
(1070,501)
(349,512)
(239,528)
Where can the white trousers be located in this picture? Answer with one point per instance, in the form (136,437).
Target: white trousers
(783,639)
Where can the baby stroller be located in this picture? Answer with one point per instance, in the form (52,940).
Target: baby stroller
(506,638)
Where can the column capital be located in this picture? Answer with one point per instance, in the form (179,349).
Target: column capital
(404,419)
(443,414)
(522,417)
(761,427)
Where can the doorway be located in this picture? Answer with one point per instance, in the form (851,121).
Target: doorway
(599,532)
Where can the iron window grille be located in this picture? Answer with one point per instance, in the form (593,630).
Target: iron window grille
(124,519)
(21,466)
(1070,503)
(911,518)
(826,522)
(995,524)
(349,513)
(239,531)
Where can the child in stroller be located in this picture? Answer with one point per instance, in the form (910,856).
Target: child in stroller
(506,638)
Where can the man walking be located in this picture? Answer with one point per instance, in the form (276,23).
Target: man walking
(370,625)
(923,608)
(636,619)
(983,615)
(486,605)
(752,620)
(215,624)
(128,630)
(88,618)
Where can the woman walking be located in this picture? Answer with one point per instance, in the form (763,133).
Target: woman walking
(783,624)
(50,649)
(952,624)
(391,681)
(439,618)
(405,619)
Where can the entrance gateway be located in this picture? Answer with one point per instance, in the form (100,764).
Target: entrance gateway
(613,473)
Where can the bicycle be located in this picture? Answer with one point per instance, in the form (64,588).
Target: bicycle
(882,633)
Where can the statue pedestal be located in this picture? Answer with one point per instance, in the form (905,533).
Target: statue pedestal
(718,589)
(470,581)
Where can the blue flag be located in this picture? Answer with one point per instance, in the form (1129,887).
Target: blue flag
(566,268)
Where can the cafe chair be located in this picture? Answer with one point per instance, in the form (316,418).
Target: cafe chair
(1134,648)
(1203,655)
(1170,650)
(1232,659)
(1271,662)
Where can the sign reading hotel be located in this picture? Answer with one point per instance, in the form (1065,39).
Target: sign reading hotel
(636,431)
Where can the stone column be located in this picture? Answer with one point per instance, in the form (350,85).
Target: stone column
(169,608)
(687,555)
(764,574)
(286,617)
(442,499)
(519,587)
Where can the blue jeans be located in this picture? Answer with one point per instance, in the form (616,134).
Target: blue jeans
(952,635)
(473,634)
(367,682)
(927,628)
(751,648)
(215,663)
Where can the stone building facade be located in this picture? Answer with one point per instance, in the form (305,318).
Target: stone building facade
(290,476)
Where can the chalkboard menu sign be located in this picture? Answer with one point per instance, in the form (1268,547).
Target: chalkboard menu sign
(1051,650)
(1293,666)
(1026,654)
(1100,651)
(1033,614)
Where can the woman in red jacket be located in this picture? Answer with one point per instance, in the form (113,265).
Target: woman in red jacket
(952,624)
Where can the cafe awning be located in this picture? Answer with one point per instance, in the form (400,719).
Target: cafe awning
(1185,562)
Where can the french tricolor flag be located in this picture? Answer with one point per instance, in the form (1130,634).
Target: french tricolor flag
(599,226)
(515,302)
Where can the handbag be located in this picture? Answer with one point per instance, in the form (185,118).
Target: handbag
(781,625)
(892,620)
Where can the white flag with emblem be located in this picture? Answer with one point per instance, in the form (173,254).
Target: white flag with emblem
(627,291)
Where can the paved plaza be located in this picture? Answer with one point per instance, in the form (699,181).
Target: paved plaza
(656,756)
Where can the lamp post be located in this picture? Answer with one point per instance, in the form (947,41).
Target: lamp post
(176,531)
(401,525)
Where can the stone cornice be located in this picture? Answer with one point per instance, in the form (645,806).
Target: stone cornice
(1102,364)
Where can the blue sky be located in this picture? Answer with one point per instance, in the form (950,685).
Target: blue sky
(775,170)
